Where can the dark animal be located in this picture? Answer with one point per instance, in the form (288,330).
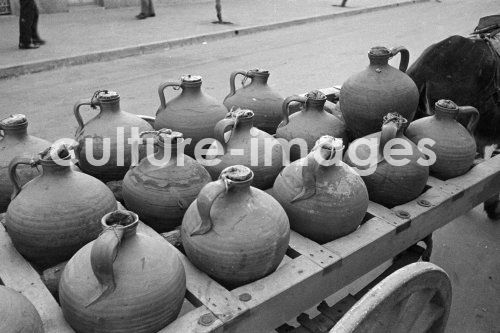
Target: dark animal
(466,70)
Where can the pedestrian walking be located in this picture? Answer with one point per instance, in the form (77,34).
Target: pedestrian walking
(147,9)
(28,25)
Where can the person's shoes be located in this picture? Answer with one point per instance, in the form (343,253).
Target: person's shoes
(141,16)
(152,15)
(28,46)
(38,41)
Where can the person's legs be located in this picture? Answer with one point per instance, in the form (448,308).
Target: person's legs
(26,17)
(151,9)
(35,37)
(147,9)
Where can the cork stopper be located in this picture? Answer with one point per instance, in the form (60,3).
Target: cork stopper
(240,114)
(107,95)
(328,142)
(191,78)
(395,118)
(316,95)
(379,51)
(170,137)
(121,219)
(237,173)
(14,120)
(258,72)
(446,104)
(60,151)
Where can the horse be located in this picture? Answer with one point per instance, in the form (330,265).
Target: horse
(466,70)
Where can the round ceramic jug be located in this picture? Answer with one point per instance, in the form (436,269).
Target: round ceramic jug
(234,232)
(58,212)
(245,145)
(257,96)
(193,112)
(324,198)
(394,180)
(17,314)
(309,124)
(366,97)
(15,141)
(124,281)
(103,149)
(164,184)
(455,147)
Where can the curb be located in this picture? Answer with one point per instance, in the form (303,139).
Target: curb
(117,53)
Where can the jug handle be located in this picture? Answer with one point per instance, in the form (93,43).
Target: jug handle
(284,109)
(389,132)
(1,131)
(14,179)
(102,257)
(232,85)
(474,117)
(78,116)
(223,126)
(161,91)
(405,57)
(204,203)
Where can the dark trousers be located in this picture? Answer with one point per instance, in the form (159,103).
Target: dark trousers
(28,21)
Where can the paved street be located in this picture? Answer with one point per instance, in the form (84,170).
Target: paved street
(299,58)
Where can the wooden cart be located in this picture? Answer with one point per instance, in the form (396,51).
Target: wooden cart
(308,274)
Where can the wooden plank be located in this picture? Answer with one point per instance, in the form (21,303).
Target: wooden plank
(315,252)
(17,273)
(318,324)
(192,322)
(443,186)
(202,289)
(391,216)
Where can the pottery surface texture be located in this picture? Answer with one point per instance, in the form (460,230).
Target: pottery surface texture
(323,202)
(16,142)
(308,124)
(455,147)
(390,184)
(17,314)
(257,96)
(366,97)
(56,213)
(242,143)
(164,184)
(124,281)
(111,124)
(193,112)
(234,232)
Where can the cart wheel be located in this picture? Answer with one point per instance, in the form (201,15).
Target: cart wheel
(415,298)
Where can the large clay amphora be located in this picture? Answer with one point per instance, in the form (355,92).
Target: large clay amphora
(104,150)
(366,97)
(392,180)
(454,145)
(124,281)
(238,142)
(17,314)
(308,125)
(16,141)
(257,96)
(56,213)
(164,184)
(324,198)
(235,232)
(193,112)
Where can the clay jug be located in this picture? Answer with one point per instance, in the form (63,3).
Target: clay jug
(455,147)
(391,181)
(116,156)
(124,281)
(366,97)
(238,142)
(193,112)
(235,232)
(16,141)
(164,184)
(323,197)
(309,124)
(17,314)
(257,96)
(58,212)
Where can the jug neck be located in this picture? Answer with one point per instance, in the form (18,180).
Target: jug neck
(51,167)
(238,178)
(123,220)
(110,106)
(17,132)
(379,56)
(315,104)
(244,124)
(445,113)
